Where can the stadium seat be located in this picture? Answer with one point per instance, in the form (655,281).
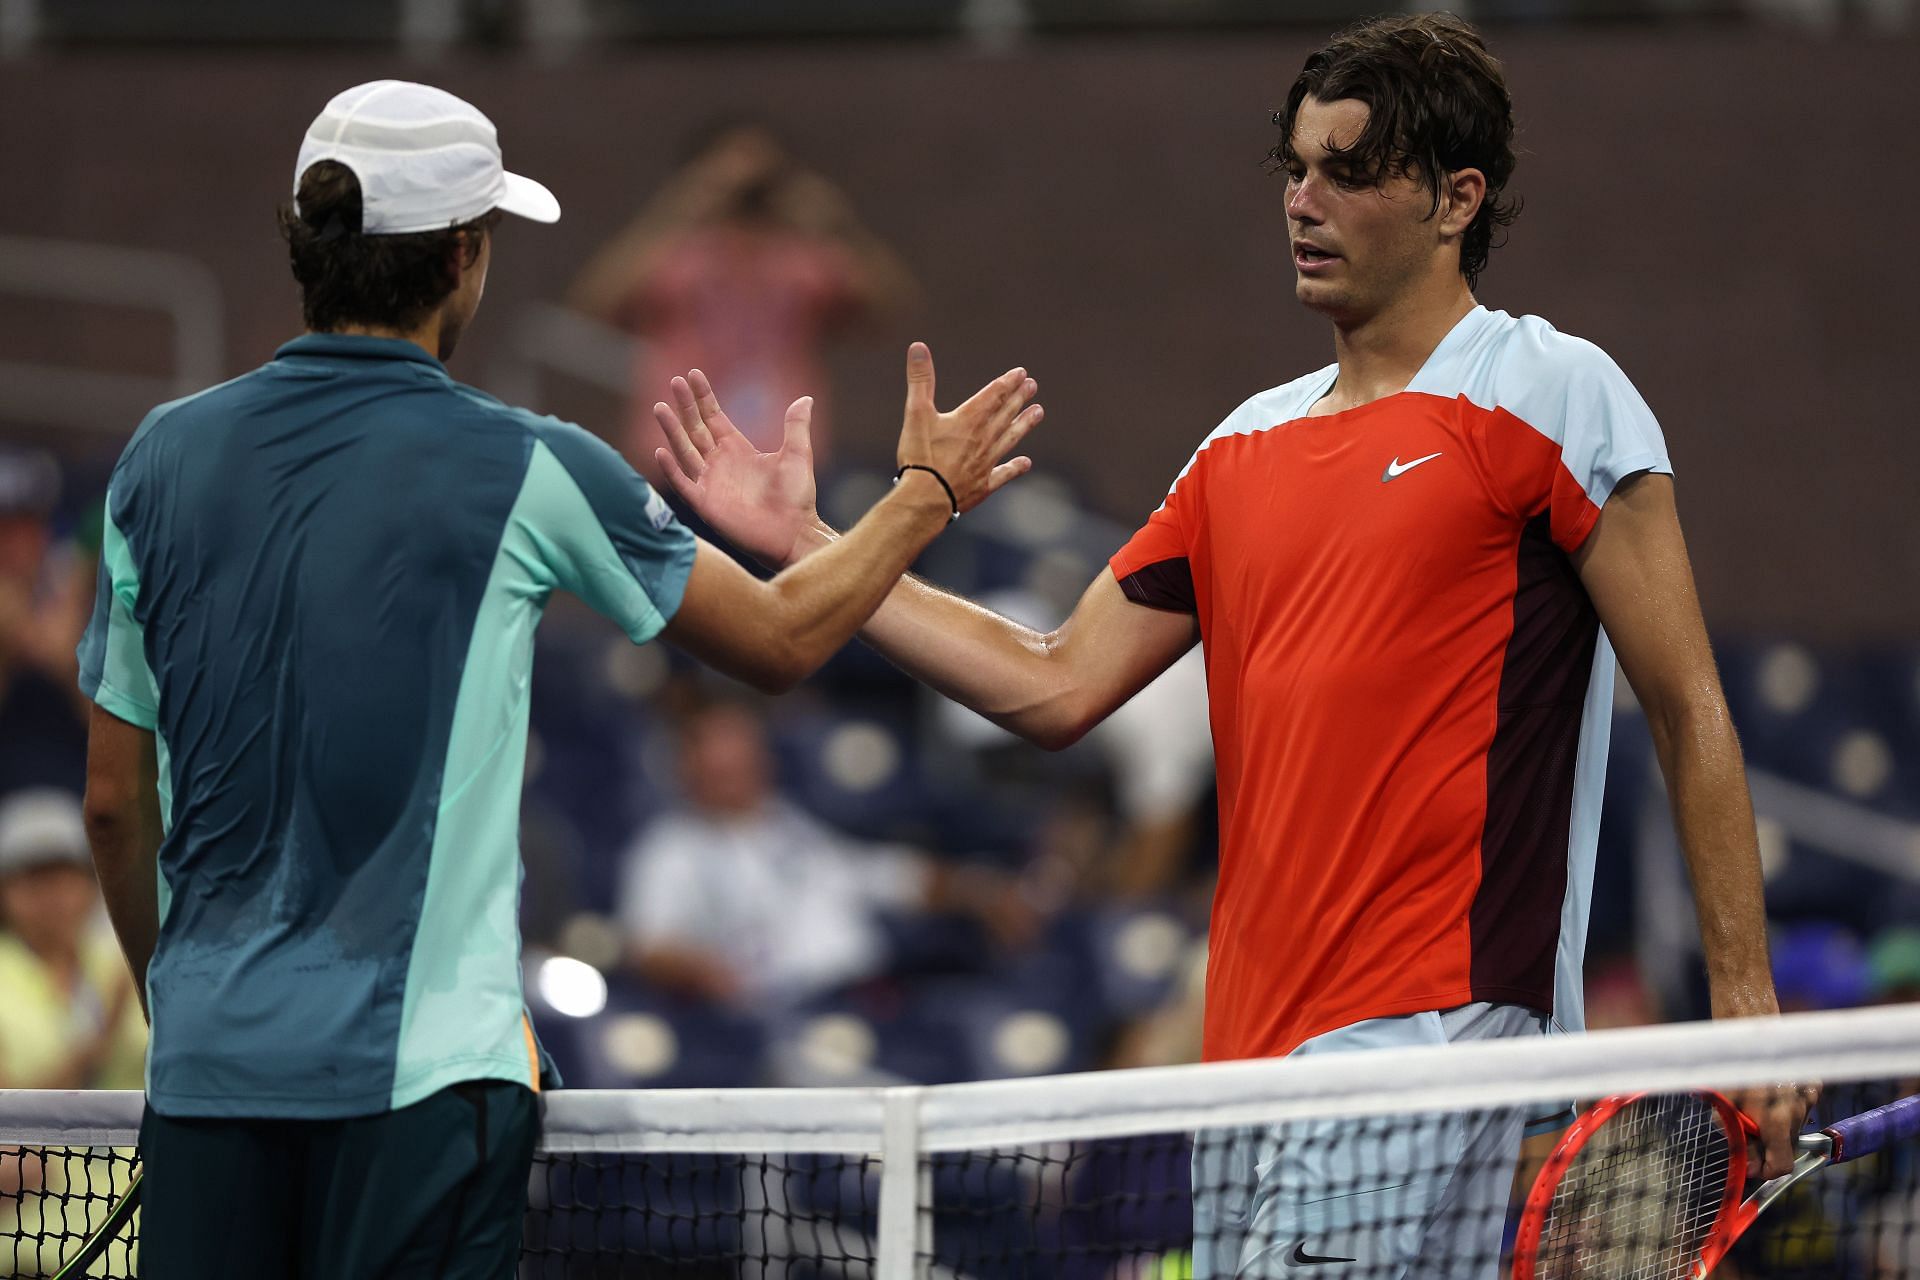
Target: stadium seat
(642,1040)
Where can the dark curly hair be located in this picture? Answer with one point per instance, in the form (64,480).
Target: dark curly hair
(1437,103)
(383,281)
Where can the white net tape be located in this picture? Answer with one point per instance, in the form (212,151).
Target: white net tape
(1221,1169)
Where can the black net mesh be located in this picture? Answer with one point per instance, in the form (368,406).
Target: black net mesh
(54,1199)
(1437,1196)
(690,1217)
(1434,1195)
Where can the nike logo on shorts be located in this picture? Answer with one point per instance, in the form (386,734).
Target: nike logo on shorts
(1399,468)
(1300,1257)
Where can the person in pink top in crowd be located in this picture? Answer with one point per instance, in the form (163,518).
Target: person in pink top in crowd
(744,265)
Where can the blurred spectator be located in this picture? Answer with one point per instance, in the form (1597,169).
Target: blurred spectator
(1170,1034)
(1819,966)
(1617,995)
(743,899)
(1155,751)
(1893,965)
(43,609)
(68,1015)
(1160,748)
(744,265)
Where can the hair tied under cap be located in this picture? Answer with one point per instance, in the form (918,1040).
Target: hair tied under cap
(333,228)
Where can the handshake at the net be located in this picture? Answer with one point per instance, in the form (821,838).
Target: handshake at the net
(764,503)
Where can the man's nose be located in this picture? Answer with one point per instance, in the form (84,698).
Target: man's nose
(1303,200)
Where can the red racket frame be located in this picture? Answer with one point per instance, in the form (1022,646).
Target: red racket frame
(1729,1223)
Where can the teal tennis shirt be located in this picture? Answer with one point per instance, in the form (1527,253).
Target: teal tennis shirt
(319,585)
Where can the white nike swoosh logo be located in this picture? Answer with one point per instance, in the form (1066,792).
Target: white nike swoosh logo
(1399,468)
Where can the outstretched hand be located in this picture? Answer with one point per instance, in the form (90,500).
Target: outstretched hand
(764,502)
(965,445)
(761,502)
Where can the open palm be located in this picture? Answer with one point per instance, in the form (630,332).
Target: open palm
(760,502)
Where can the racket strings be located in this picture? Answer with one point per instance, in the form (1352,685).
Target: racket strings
(1640,1198)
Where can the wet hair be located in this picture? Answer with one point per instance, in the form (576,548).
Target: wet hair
(1437,103)
(347,278)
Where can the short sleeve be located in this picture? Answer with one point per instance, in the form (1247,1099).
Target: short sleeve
(890,876)
(602,531)
(1610,434)
(1154,567)
(660,880)
(113,657)
(1598,428)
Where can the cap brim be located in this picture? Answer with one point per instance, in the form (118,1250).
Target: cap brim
(526,198)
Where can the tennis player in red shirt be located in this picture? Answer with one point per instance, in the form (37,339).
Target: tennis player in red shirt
(1412,571)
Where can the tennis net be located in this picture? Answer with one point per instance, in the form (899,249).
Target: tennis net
(1414,1162)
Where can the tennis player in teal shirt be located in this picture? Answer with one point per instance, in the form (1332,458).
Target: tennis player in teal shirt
(310,658)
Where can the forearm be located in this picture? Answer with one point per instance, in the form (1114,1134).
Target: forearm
(1713,813)
(825,598)
(684,970)
(1009,673)
(126,845)
(122,812)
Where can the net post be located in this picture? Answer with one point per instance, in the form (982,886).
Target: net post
(901,1250)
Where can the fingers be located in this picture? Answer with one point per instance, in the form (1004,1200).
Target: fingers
(684,452)
(920,377)
(1017,430)
(687,408)
(709,406)
(996,395)
(1779,1113)
(675,477)
(1010,470)
(799,428)
(1779,1130)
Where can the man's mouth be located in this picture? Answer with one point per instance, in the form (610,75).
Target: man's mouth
(1310,255)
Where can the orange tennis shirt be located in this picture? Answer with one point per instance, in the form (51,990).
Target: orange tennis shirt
(1410,690)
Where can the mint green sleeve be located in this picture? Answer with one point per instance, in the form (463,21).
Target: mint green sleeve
(602,532)
(113,654)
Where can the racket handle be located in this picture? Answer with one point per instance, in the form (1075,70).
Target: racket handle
(1864,1134)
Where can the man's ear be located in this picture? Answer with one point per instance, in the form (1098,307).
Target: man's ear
(1462,192)
(467,246)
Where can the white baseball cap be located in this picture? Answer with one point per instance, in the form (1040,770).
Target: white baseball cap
(41,826)
(426,160)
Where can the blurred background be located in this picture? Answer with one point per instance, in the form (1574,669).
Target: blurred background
(859,883)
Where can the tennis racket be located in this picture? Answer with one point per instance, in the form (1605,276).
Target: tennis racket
(1647,1186)
(114,1229)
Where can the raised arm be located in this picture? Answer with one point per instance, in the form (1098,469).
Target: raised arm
(699,193)
(1048,687)
(1635,568)
(773,634)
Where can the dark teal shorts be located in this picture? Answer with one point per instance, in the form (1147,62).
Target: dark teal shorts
(435,1190)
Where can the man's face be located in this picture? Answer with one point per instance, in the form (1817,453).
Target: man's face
(48,905)
(24,539)
(725,763)
(464,301)
(1358,239)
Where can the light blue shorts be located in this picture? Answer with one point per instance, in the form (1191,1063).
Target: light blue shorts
(1389,1198)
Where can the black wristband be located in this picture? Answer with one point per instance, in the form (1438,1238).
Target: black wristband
(915,466)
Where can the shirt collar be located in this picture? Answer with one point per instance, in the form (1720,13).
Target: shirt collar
(355,346)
